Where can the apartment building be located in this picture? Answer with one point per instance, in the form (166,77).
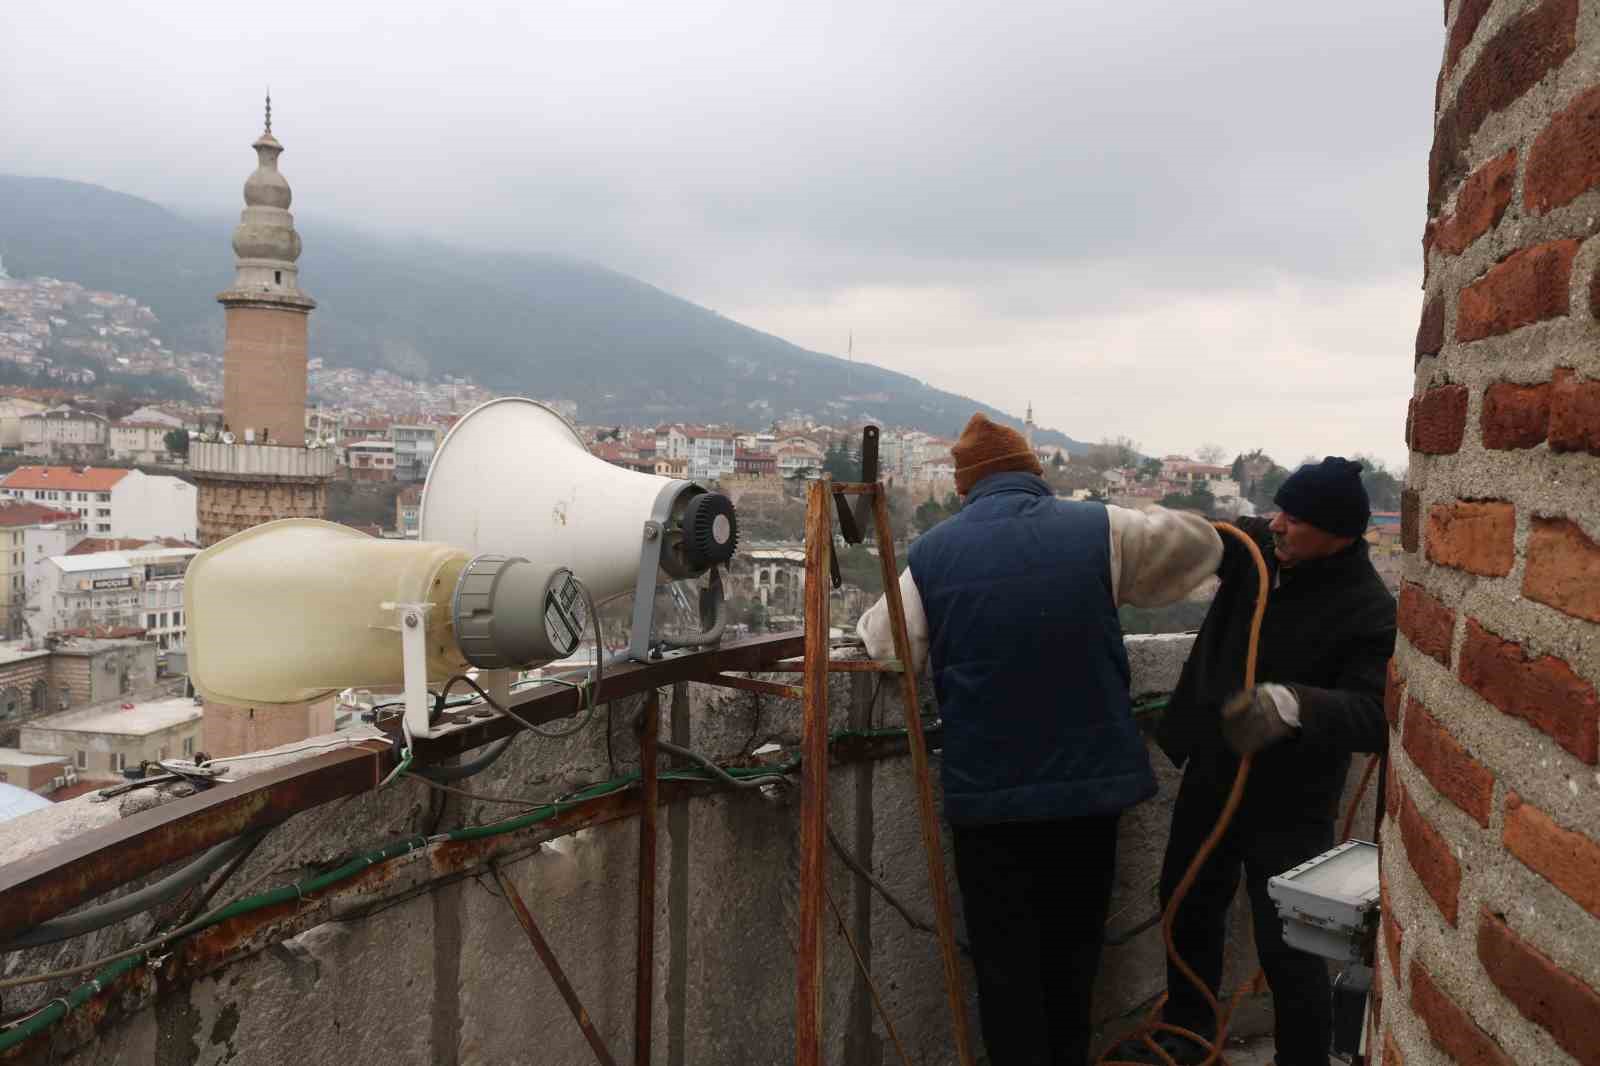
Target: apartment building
(110,502)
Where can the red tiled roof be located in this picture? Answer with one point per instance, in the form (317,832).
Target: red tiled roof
(72,478)
(90,545)
(19,513)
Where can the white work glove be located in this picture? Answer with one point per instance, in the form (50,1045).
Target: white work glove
(1260,717)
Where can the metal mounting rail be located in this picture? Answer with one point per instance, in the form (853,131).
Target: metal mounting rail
(57,879)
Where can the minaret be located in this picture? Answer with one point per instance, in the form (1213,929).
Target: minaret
(1027,426)
(264,361)
(259,468)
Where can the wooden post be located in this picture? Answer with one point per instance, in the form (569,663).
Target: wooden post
(645,962)
(919,762)
(813,776)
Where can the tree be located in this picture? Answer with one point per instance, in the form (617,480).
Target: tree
(1150,469)
(1056,461)
(177,441)
(1118,453)
(841,463)
(1383,488)
(1198,500)
(1211,454)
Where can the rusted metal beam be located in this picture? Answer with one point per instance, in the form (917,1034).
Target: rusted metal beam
(546,703)
(644,971)
(754,684)
(840,666)
(541,948)
(813,780)
(931,843)
(57,879)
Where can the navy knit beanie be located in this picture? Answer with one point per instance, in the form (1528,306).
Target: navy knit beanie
(1329,495)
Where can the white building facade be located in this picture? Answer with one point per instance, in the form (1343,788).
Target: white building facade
(112,503)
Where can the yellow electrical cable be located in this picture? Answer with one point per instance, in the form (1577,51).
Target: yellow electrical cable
(1153,1024)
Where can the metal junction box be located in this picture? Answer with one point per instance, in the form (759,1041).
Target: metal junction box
(1329,904)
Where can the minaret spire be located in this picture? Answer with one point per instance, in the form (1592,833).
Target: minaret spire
(269,111)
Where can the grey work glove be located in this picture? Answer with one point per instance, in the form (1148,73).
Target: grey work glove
(1256,718)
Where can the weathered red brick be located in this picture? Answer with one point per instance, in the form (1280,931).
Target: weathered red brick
(1512,61)
(1544,692)
(1394,934)
(1547,995)
(1391,1054)
(1565,161)
(1563,568)
(1528,286)
(1428,624)
(1410,519)
(1430,328)
(1467,19)
(1447,765)
(1567,859)
(1393,686)
(1439,420)
(1476,536)
(1393,790)
(1431,858)
(1483,199)
(1594,293)
(1515,416)
(1574,413)
(1449,1027)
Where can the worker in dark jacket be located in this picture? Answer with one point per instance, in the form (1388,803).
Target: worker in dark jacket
(1325,642)
(1015,601)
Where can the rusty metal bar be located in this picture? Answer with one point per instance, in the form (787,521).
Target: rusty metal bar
(541,947)
(813,779)
(52,881)
(57,879)
(857,488)
(931,842)
(840,666)
(752,684)
(645,961)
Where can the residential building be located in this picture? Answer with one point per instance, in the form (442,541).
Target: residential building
(89,670)
(139,589)
(12,411)
(711,454)
(408,512)
(16,519)
(754,463)
(111,502)
(414,446)
(140,442)
(798,459)
(42,774)
(65,434)
(108,738)
(370,460)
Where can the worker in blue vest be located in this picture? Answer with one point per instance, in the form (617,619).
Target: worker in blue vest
(1014,600)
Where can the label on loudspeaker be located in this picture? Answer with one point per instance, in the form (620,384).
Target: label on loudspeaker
(565,614)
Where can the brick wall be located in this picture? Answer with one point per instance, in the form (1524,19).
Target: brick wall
(264,370)
(1491,848)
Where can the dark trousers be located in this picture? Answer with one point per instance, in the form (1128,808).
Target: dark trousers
(1035,896)
(1265,840)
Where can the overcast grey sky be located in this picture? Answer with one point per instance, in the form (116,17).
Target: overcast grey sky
(1176,221)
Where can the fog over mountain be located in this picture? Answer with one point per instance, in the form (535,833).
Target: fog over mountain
(542,325)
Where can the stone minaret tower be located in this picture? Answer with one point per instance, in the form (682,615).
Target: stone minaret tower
(1027,426)
(1491,844)
(259,468)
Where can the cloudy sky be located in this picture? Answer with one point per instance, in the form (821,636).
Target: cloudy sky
(1180,222)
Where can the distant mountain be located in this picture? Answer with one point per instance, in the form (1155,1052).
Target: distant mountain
(625,351)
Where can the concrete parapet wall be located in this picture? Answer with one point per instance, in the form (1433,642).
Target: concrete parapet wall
(426,965)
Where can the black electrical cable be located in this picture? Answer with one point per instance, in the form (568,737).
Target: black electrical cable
(136,902)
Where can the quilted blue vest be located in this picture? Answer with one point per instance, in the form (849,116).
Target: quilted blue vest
(1027,658)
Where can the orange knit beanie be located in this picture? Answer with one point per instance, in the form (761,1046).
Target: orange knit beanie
(988,448)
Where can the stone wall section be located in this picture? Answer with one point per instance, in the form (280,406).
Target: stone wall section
(1491,840)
